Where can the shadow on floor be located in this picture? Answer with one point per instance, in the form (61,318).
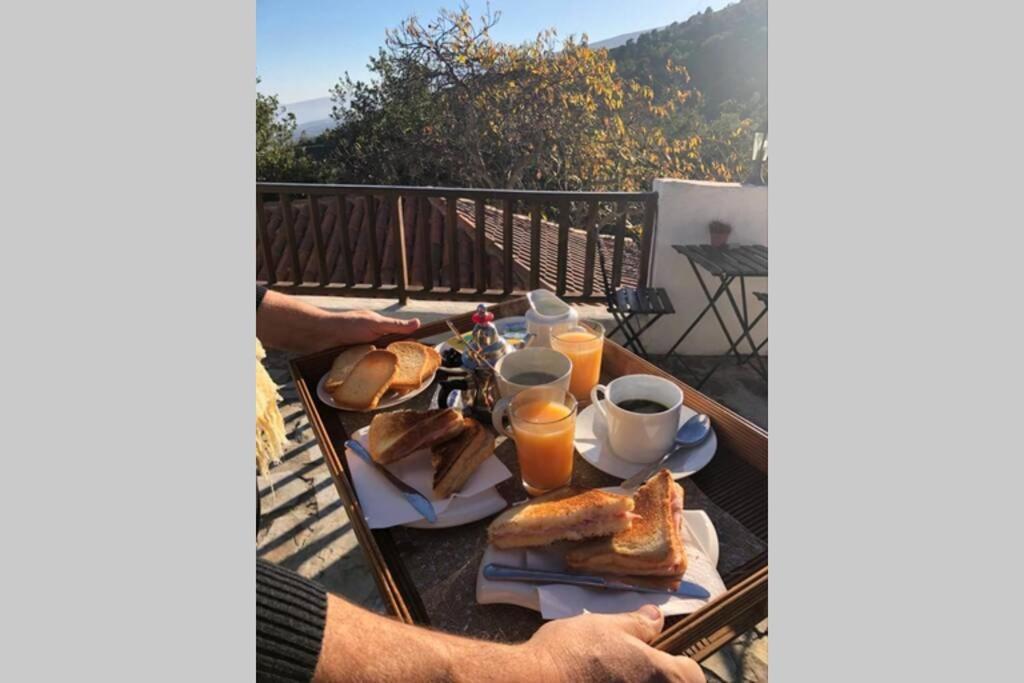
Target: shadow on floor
(738,387)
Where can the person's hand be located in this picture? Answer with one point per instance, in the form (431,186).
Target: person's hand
(290,324)
(360,327)
(610,647)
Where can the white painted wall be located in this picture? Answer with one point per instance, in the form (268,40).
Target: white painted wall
(685,207)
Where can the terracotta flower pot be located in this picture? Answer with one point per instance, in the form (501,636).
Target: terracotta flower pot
(719,233)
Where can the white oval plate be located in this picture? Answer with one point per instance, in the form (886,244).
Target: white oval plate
(465,510)
(592,445)
(379,498)
(389,400)
(698,527)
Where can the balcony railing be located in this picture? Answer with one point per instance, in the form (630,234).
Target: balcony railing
(449,243)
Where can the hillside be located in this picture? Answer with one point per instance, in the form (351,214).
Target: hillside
(725,53)
(616,41)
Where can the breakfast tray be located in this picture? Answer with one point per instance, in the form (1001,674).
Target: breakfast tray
(429,576)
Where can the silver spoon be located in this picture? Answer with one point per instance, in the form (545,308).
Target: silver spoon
(692,433)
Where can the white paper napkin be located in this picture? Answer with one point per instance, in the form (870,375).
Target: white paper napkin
(384,506)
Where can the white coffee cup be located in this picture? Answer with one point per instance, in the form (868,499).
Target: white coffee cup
(532,360)
(639,437)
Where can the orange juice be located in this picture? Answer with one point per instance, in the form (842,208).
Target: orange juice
(543,433)
(582,344)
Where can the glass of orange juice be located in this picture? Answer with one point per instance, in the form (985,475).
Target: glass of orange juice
(582,342)
(543,427)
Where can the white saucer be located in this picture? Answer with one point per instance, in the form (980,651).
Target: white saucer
(390,399)
(592,444)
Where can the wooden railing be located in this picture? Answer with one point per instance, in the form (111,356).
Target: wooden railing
(449,243)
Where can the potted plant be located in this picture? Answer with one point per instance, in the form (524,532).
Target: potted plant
(719,233)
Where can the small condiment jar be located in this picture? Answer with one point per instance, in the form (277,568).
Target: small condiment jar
(485,336)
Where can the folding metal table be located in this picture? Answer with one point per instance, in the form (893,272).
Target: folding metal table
(729,263)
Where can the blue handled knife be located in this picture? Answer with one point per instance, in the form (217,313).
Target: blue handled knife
(417,500)
(501,572)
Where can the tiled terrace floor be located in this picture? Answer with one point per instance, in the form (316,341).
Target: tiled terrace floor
(304,525)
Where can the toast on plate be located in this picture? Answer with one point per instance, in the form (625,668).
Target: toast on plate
(367,381)
(433,362)
(412,360)
(343,364)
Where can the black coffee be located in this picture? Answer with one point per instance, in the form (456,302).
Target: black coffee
(641,405)
(532,378)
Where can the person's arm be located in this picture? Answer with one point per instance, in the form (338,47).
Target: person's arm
(362,646)
(287,323)
(358,645)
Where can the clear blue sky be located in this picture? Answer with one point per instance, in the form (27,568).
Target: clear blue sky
(304,46)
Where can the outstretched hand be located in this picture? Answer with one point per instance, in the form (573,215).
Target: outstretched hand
(288,323)
(360,327)
(611,647)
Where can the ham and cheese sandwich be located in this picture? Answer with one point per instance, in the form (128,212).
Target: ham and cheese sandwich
(651,546)
(568,514)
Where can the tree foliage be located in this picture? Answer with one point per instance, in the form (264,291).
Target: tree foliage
(450,105)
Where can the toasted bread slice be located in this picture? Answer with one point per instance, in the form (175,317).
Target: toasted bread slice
(432,364)
(412,359)
(398,434)
(455,460)
(569,513)
(344,363)
(651,546)
(367,381)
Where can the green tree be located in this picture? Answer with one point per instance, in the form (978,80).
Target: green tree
(450,105)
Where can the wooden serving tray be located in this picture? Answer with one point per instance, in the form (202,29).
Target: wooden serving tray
(429,576)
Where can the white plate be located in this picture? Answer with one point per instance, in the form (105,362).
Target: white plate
(465,510)
(390,399)
(592,445)
(698,531)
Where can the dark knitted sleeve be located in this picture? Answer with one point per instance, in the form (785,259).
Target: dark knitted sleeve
(290,614)
(261,292)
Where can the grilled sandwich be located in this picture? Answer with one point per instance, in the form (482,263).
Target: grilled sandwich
(651,546)
(568,514)
(454,461)
(398,434)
